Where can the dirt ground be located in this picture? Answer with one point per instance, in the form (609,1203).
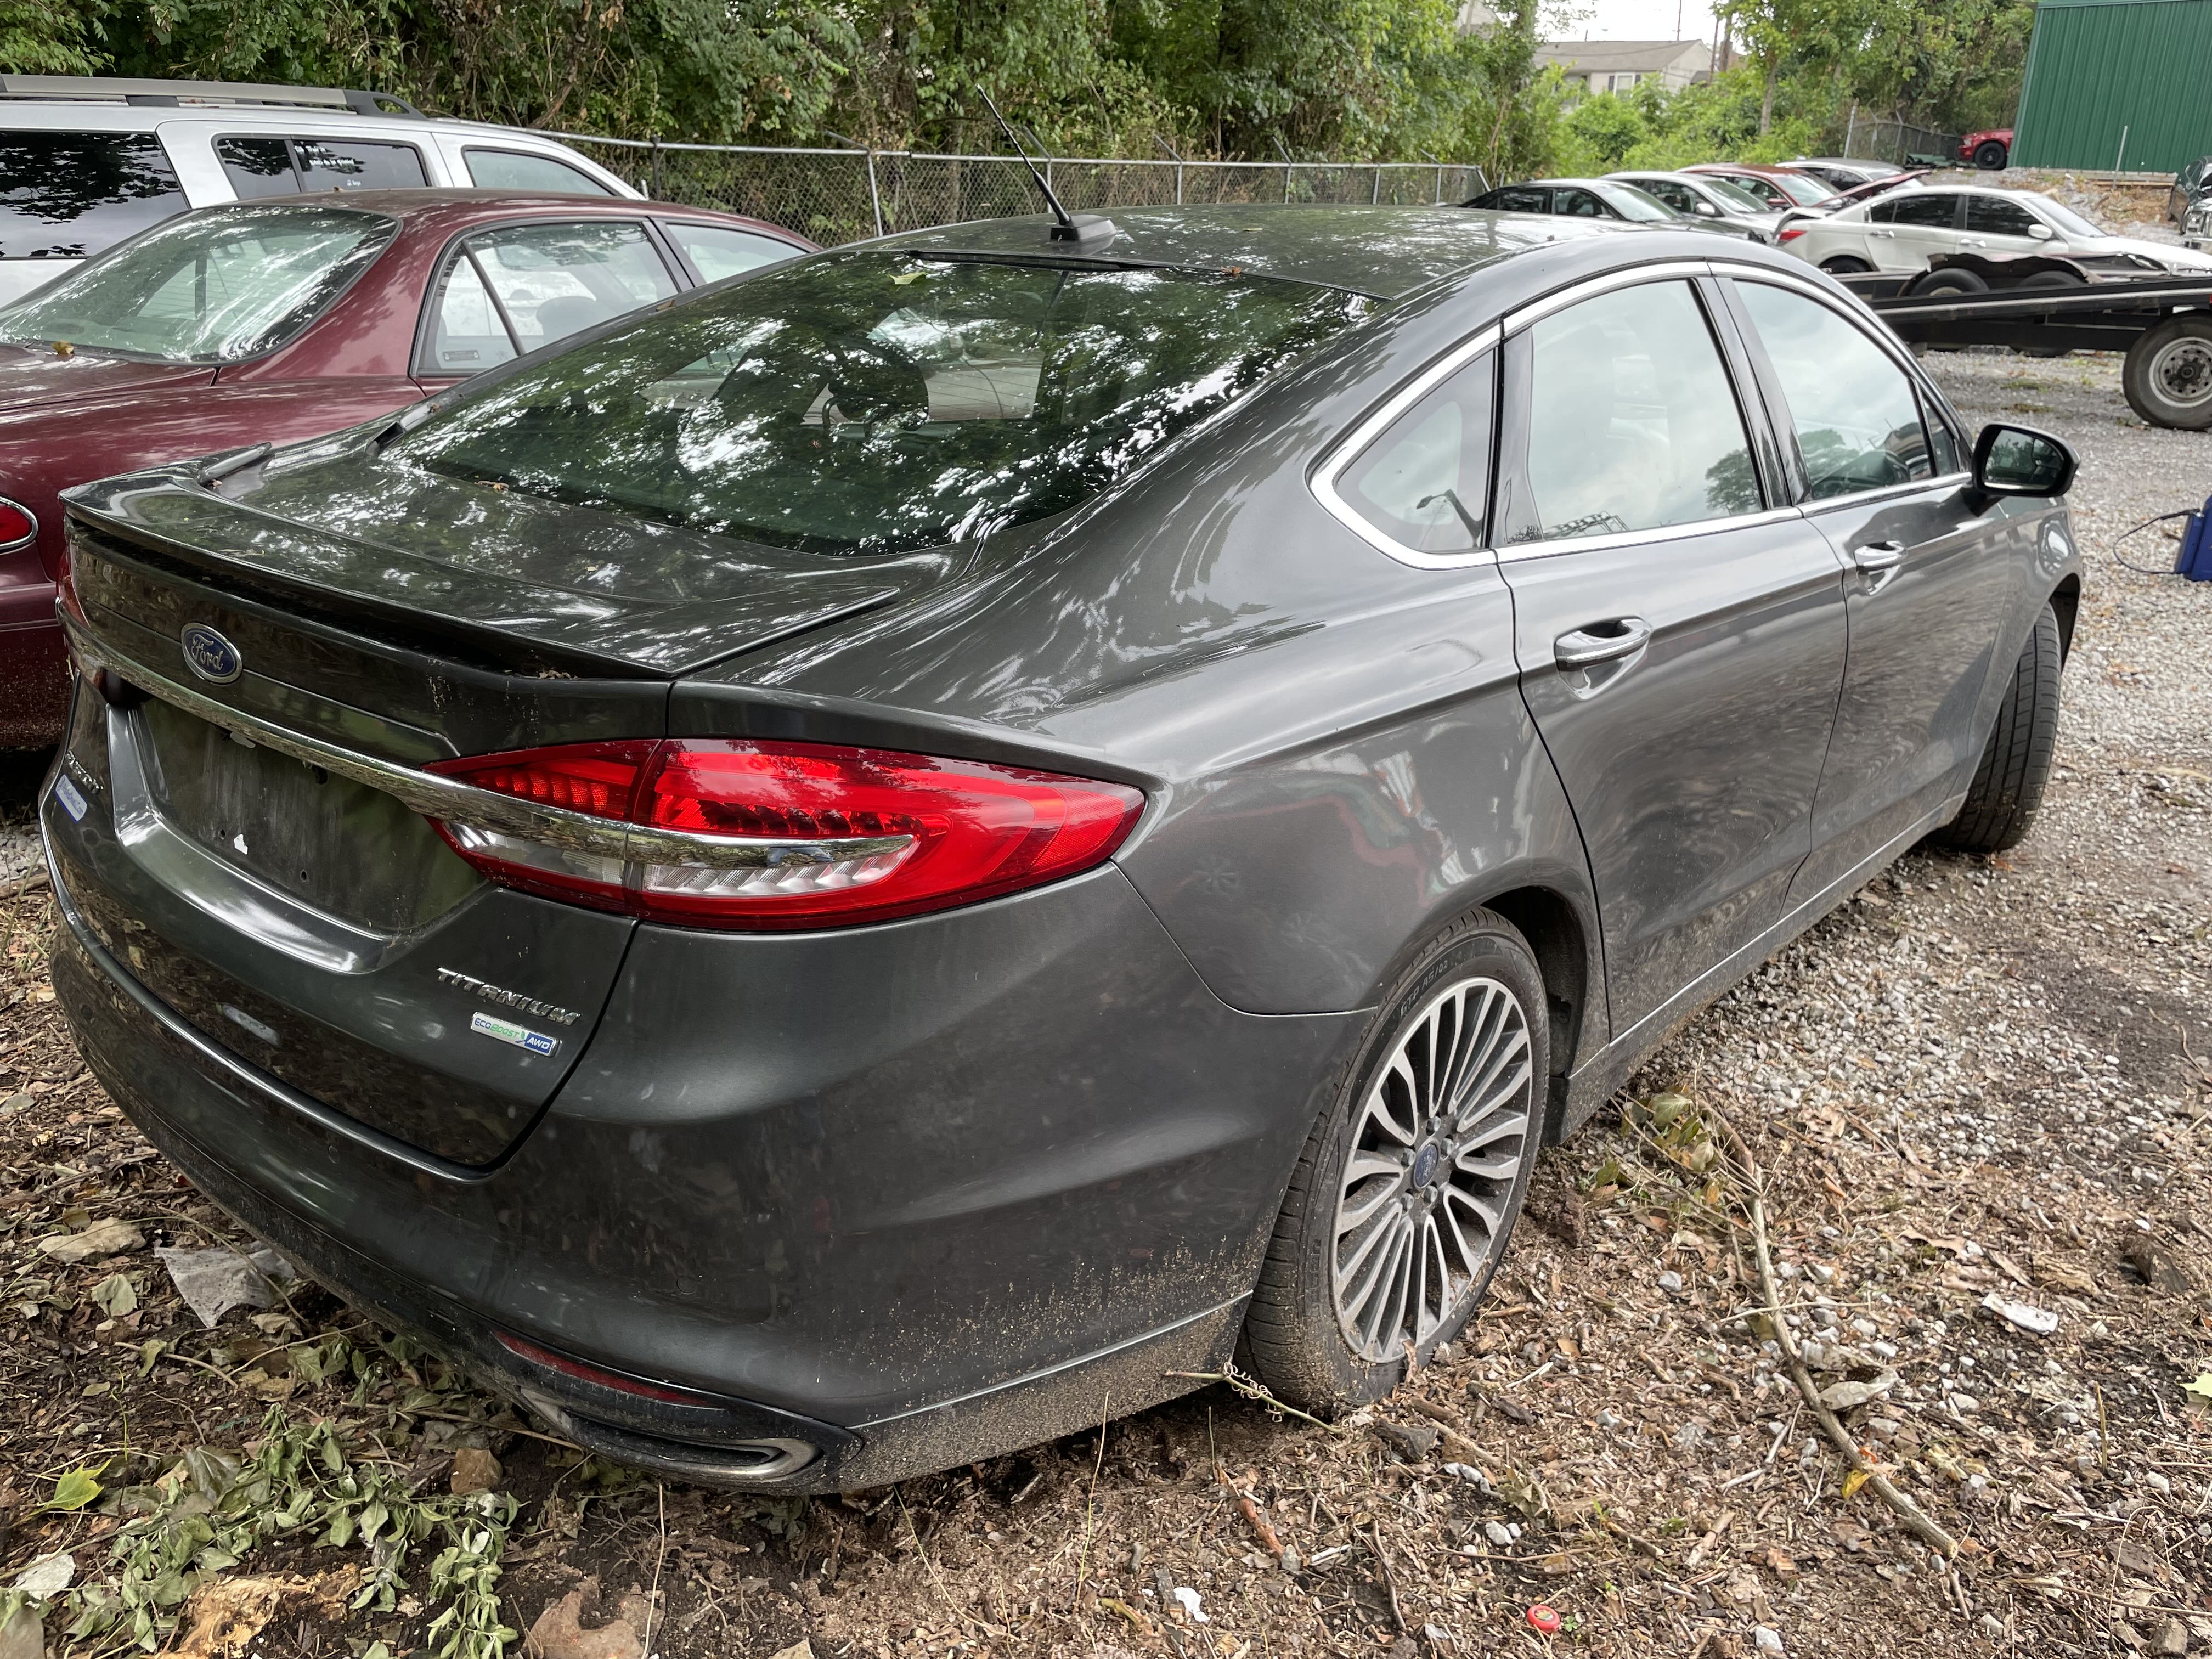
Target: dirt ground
(1981,1094)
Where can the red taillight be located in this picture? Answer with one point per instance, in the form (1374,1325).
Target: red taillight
(1789,232)
(19,526)
(736,834)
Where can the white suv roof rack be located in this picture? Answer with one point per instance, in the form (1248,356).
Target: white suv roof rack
(166,94)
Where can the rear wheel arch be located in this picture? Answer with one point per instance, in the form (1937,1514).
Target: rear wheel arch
(1565,946)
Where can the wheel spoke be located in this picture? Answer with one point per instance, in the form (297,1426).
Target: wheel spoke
(1502,1167)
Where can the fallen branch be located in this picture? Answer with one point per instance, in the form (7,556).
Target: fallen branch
(1906,1510)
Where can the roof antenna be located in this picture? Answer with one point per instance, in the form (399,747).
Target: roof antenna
(1078,228)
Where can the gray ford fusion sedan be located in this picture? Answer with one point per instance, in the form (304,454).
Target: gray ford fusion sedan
(833,877)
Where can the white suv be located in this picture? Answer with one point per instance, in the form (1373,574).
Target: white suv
(85,162)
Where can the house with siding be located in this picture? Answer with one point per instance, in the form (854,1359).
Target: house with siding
(1622,65)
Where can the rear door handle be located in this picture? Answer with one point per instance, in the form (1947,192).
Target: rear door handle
(1602,642)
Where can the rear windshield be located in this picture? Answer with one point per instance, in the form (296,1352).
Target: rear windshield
(65,195)
(878,402)
(215,287)
(1803,188)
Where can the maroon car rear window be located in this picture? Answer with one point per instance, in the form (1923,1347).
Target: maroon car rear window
(218,286)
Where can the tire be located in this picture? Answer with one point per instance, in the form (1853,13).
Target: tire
(1990,156)
(1327,1342)
(2168,376)
(1843,264)
(2008,788)
(2046,279)
(1950,280)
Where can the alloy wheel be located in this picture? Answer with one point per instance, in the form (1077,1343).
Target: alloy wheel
(1440,1141)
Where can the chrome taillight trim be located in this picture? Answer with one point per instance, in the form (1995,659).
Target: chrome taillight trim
(436,797)
(20,543)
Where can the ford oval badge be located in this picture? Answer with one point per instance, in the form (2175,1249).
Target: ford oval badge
(209,655)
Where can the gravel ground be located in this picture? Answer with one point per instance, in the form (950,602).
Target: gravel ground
(1982,1080)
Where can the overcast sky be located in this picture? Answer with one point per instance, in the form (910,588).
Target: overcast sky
(1638,20)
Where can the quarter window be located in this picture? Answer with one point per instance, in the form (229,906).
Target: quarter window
(1424,483)
(66,195)
(468,335)
(1632,423)
(1855,416)
(512,169)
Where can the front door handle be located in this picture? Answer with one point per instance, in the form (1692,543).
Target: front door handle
(1602,641)
(1878,561)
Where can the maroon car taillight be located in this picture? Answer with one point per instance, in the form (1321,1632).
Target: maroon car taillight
(742,835)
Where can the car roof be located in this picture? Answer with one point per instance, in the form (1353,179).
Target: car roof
(18,112)
(440,212)
(1383,250)
(1734,166)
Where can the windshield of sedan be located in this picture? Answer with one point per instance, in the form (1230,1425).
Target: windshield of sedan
(206,287)
(879,402)
(1633,203)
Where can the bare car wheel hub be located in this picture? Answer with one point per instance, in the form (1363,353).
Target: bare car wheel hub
(1439,1143)
(2183,371)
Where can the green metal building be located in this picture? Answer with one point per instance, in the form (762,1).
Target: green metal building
(2117,84)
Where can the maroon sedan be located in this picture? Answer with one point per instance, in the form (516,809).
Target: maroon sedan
(274,320)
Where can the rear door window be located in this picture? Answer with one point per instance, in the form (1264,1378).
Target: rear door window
(1580,204)
(720,251)
(67,195)
(1632,421)
(514,169)
(258,166)
(1425,481)
(1854,411)
(552,279)
(1926,209)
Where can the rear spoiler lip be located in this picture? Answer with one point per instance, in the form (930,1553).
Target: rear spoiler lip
(404,626)
(484,646)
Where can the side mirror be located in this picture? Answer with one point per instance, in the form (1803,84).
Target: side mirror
(2018,460)
(2041,232)
(1704,209)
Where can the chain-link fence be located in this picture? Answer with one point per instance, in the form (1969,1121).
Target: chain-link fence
(842,195)
(1897,142)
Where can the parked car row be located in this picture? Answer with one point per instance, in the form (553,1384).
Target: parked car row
(316,297)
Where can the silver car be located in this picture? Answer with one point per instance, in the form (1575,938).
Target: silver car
(1714,201)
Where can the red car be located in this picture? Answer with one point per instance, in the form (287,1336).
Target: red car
(1988,150)
(274,320)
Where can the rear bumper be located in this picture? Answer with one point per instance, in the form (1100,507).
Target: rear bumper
(899,1231)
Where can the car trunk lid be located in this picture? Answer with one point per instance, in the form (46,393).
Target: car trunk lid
(297,913)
